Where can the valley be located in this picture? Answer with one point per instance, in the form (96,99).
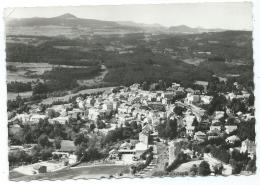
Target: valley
(86,53)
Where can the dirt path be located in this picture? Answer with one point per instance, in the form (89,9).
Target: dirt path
(161,158)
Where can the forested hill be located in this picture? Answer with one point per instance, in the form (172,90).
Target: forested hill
(67,20)
(134,56)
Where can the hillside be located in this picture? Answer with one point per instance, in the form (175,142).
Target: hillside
(69,25)
(190,30)
(131,52)
(66,25)
(63,20)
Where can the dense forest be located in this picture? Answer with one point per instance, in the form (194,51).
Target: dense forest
(131,58)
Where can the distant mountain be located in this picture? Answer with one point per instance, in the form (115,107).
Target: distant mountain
(66,25)
(189,30)
(70,25)
(131,23)
(145,27)
(68,20)
(67,16)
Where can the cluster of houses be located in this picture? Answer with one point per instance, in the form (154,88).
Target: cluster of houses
(130,151)
(148,109)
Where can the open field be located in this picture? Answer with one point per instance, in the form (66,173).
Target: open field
(76,173)
(185,167)
(28,72)
(13,95)
(21,71)
(28,169)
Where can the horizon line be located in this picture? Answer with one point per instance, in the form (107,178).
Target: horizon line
(155,23)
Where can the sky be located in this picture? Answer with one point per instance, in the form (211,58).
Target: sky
(233,15)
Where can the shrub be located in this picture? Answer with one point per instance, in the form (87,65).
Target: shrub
(251,166)
(204,168)
(236,166)
(141,166)
(181,158)
(220,154)
(194,170)
(148,151)
(218,169)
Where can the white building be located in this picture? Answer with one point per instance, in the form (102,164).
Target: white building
(200,136)
(230,96)
(82,104)
(188,120)
(140,148)
(215,128)
(190,130)
(192,98)
(93,114)
(61,120)
(230,128)
(24,118)
(219,114)
(36,118)
(90,101)
(107,106)
(206,99)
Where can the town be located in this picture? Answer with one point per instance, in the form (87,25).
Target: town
(141,130)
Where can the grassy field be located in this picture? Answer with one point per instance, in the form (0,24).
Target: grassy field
(75,173)
(13,95)
(185,167)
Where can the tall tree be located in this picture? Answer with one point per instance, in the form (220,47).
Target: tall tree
(171,128)
(43,140)
(246,129)
(57,142)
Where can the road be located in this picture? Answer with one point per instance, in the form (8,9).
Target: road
(199,112)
